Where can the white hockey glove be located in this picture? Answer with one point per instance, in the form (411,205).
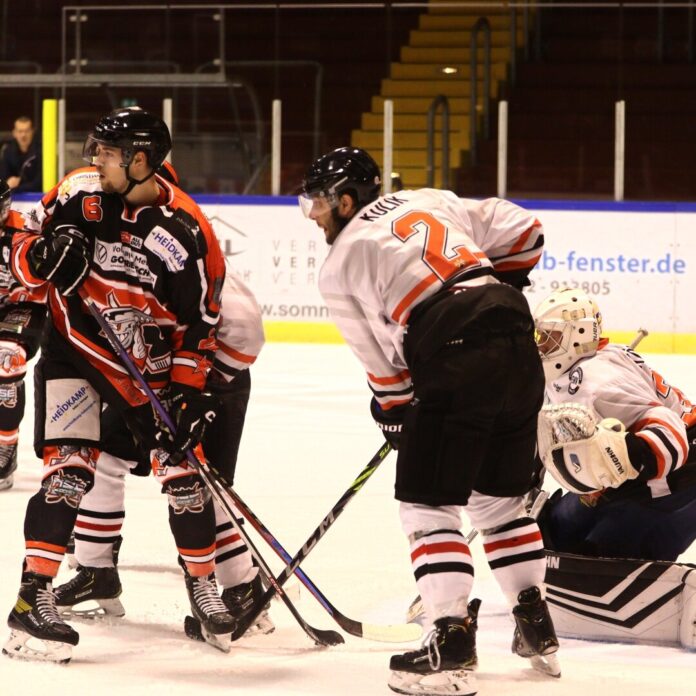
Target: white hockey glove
(582,455)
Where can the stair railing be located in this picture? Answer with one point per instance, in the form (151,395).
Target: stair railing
(440,100)
(481,24)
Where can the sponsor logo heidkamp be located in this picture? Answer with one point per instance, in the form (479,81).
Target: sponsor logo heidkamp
(163,244)
(62,408)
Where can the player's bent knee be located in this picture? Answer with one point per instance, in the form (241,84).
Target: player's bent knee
(67,485)
(417,518)
(13,361)
(186,494)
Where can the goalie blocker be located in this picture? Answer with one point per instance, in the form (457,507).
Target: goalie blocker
(622,600)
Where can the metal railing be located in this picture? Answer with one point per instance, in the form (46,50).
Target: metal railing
(481,24)
(440,100)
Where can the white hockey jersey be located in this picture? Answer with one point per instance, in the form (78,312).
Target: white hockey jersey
(616,383)
(400,250)
(240,331)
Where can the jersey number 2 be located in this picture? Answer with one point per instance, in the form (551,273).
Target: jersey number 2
(435,255)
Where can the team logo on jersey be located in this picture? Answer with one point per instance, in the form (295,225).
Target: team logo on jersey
(574,380)
(139,334)
(166,247)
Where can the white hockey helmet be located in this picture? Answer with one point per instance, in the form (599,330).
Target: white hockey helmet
(568,326)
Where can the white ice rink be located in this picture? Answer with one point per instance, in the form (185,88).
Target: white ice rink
(308,435)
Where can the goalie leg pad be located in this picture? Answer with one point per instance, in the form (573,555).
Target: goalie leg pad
(687,625)
(622,600)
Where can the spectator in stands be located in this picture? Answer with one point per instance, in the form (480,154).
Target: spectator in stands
(20,159)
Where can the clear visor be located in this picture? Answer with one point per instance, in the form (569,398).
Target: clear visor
(95,152)
(316,204)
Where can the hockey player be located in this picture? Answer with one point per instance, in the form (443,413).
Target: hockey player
(146,255)
(645,506)
(22,315)
(616,434)
(102,510)
(457,384)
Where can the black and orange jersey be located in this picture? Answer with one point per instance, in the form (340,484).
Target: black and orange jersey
(156,274)
(11,290)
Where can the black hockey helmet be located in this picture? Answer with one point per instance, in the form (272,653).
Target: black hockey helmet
(344,170)
(132,130)
(5,200)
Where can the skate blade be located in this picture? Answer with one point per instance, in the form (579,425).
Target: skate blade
(22,646)
(546,664)
(94,610)
(460,682)
(7,483)
(195,631)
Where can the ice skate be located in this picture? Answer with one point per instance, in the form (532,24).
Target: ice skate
(207,606)
(446,662)
(36,630)
(240,601)
(243,599)
(535,637)
(98,588)
(8,465)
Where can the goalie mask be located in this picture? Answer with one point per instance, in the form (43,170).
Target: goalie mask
(568,326)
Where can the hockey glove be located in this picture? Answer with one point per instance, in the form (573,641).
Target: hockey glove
(192,411)
(599,461)
(61,256)
(389,421)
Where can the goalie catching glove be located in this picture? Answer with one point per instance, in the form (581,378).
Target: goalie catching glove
(192,412)
(61,256)
(582,455)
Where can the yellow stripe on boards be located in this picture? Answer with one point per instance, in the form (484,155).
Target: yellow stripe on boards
(301,332)
(309,332)
(49,144)
(656,342)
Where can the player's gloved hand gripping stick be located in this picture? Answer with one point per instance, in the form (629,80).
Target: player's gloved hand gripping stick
(320,637)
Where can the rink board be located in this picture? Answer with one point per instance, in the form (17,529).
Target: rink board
(637,259)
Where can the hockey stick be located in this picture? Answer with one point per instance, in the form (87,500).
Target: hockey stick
(319,636)
(313,539)
(642,333)
(398,633)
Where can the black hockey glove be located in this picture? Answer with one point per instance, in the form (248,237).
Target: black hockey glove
(192,411)
(61,256)
(389,422)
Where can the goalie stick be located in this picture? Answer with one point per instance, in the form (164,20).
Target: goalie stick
(320,637)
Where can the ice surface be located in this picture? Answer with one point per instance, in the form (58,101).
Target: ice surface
(308,435)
